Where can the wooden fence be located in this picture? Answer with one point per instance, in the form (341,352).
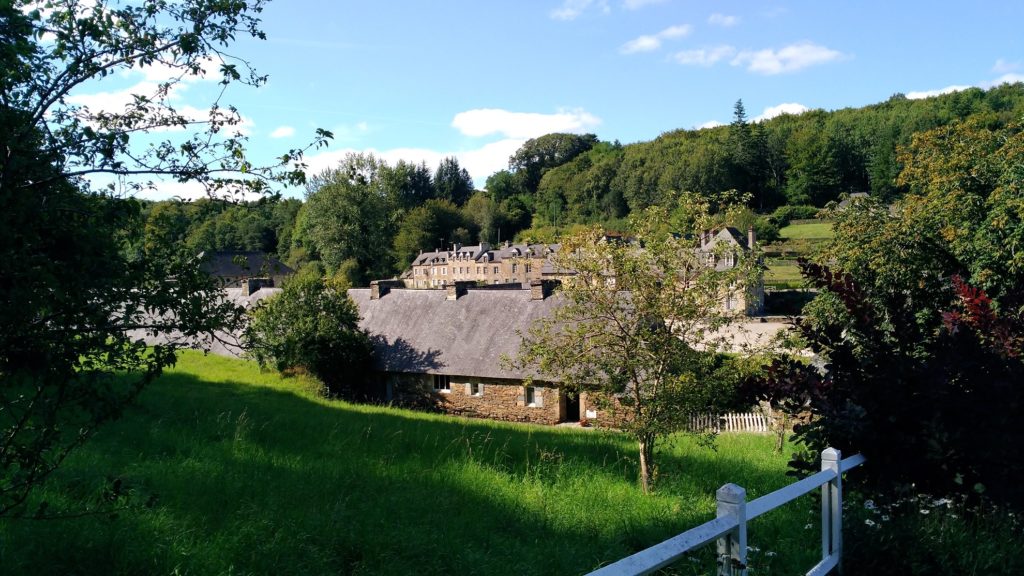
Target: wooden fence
(732,422)
(729,529)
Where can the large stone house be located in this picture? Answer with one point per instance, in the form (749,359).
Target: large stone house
(483,264)
(448,348)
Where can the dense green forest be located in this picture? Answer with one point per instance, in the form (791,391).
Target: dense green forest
(365,219)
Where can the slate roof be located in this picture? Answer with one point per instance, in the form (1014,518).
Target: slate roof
(421,331)
(247,264)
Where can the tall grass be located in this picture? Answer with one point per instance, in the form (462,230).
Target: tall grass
(234,471)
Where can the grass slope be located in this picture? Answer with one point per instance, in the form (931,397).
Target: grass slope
(806,231)
(254,474)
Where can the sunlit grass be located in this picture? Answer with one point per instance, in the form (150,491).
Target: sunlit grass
(250,473)
(808,230)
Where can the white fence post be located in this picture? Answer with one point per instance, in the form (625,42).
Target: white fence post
(732,547)
(832,506)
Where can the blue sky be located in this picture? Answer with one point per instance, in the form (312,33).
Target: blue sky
(422,80)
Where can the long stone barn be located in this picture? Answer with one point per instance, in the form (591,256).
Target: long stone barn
(444,348)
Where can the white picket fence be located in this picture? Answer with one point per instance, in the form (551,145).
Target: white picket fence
(731,422)
(729,528)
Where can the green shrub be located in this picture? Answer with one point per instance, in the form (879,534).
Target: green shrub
(314,325)
(783,215)
(933,536)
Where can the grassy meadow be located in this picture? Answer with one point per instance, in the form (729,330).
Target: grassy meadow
(229,470)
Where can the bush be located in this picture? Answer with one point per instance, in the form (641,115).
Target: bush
(313,325)
(933,536)
(783,215)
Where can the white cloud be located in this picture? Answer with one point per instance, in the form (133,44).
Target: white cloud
(703,56)
(649,43)
(723,20)
(788,59)
(1008,78)
(572,9)
(637,4)
(641,44)
(487,121)
(710,124)
(115,102)
(1002,66)
(917,95)
(1011,78)
(283,132)
(785,108)
(515,128)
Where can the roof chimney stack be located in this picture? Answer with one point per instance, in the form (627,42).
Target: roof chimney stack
(380,288)
(458,289)
(541,289)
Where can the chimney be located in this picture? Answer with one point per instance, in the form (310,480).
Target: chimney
(484,246)
(458,289)
(541,289)
(751,238)
(456,247)
(381,288)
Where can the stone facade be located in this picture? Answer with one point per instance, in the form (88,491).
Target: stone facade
(496,399)
(518,263)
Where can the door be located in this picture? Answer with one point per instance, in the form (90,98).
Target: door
(572,407)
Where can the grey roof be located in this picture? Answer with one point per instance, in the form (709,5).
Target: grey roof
(421,331)
(249,264)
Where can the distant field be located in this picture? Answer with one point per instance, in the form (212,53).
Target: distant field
(249,473)
(783,274)
(809,230)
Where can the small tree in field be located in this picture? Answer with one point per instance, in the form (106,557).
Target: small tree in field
(636,331)
(313,324)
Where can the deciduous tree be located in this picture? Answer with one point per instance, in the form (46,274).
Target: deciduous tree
(634,331)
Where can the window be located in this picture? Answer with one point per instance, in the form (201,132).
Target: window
(526,268)
(477,269)
(515,267)
(442,383)
(476,389)
(495,269)
(444,271)
(531,396)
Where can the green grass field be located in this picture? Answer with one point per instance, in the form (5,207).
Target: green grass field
(249,473)
(807,230)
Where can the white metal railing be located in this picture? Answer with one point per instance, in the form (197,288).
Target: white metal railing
(729,528)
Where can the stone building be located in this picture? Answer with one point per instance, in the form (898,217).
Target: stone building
(447,348)
(483,264)
(247,270)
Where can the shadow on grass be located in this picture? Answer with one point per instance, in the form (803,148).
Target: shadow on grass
(253,479)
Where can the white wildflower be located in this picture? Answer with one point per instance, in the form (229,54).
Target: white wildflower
(925,511)
(869,504)
(869,522)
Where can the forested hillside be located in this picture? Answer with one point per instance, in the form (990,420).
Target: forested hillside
(365,219)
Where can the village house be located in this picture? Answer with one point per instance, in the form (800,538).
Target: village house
(722,250)
(448,348)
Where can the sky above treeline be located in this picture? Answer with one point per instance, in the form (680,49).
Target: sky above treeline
(419,80)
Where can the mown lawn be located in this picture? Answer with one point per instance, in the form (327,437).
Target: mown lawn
(234,471)
(806,230)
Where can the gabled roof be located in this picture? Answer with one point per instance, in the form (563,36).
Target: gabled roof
(245,264)
(421,331)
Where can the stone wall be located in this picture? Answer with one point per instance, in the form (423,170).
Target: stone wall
(478,397)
